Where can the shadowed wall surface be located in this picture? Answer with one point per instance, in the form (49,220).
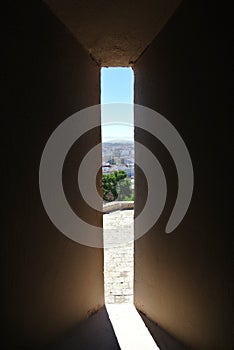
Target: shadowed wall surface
(115,33)
(51,282)
(182,280)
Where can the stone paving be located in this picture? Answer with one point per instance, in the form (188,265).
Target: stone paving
(118,256)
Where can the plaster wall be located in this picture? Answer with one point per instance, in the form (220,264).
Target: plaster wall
(50,282)
(182,280)
(115,33)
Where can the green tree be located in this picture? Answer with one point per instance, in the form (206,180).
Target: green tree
(111,185)
(124,189)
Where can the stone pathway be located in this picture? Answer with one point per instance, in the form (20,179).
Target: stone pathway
(118,256)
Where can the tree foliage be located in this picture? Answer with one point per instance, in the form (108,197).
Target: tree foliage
(124,189)
(116,185)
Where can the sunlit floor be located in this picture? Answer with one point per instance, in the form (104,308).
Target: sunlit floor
(129,328)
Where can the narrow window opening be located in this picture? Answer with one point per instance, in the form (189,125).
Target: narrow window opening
(118,203)
(118,185)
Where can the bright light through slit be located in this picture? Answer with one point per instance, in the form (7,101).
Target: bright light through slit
(130,330)
(118,154)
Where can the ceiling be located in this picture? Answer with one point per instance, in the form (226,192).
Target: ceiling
(114,32)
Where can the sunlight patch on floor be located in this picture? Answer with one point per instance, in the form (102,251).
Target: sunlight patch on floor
(129,328)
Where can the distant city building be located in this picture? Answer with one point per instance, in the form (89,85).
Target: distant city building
(118,156)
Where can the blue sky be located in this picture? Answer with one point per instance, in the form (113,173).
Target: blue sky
(117,86)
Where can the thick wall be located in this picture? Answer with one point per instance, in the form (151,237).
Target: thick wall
(182,280)
(50,282)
